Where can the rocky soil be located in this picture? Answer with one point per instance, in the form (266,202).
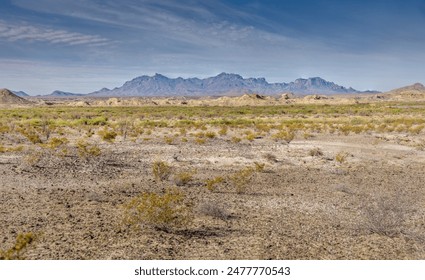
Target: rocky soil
(303,205)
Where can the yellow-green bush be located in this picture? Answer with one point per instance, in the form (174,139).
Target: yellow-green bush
(211,184)
(108,135)
(241,179)
(285,135)
(17,251)
(86,150)
(162,211)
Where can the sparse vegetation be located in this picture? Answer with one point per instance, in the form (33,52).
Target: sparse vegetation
(285,135)
(105,158)
(184,178)
(240,180)
(211,184)
(17,251)
(386,215)
(341,157)
(87,150)
(315,152)
(162,211)
(108,135)
(259,167)
(214,210)
(161,170)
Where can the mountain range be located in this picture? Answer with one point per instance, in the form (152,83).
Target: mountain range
(222,84)
(58,93)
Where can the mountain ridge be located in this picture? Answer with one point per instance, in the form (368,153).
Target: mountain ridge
(222,84)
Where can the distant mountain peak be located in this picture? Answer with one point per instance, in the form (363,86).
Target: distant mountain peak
(418,87)
(7,97)
(59,93)
(221,84)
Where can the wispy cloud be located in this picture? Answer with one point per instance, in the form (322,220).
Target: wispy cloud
(203,24)
(26,32)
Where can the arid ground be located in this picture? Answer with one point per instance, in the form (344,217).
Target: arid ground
(302,180)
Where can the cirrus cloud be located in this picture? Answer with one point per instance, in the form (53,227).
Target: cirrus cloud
(31,33)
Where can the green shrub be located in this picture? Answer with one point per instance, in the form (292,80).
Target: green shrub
(162,211)
(16,252)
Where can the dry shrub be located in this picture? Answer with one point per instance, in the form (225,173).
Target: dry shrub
(259,167)
(285,135)
(211,184)
(161,170)
(236,139)
(55,142)
(315,152)
(223,130)
(210,134)
(241,179)
(386,215)
(32,158)
(86,150)
(270,157)
(184,178)
(32,136)
(341,157)
(108,135)
(214,210)
(168,140)
(17,251)
(161,211)
(200,140)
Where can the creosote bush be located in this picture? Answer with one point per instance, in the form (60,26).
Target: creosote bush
(241,179)
(161,211)
(17,251)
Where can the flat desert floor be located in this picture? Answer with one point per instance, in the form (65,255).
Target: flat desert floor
(261,188)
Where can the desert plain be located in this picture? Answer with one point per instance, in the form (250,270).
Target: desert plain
(249,177)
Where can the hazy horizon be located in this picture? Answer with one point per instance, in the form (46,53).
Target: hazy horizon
(83,46)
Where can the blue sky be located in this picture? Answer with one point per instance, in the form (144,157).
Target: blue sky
(84,45)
